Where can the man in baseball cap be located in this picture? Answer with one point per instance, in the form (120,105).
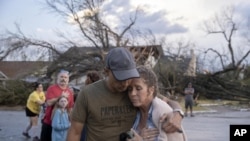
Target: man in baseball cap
(104,106)
(121,63)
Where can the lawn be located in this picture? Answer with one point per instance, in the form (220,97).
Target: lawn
(202,104)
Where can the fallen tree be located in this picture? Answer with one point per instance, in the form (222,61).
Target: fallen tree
(216,87)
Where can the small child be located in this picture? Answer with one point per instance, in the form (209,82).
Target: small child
(60,120)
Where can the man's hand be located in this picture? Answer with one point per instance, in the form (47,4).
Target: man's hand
(171,122)
(65,94)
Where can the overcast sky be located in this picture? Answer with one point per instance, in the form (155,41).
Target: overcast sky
(174,18)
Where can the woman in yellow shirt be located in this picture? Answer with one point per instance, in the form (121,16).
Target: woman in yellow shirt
(33,107)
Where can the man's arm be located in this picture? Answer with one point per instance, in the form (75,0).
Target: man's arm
(74,132)
(52,101)
(172,121)
(173,104)
(186,91)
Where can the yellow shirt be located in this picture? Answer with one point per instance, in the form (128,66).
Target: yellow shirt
(32,104)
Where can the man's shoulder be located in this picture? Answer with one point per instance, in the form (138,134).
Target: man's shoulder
(96,88)
(98,84)
(53,86)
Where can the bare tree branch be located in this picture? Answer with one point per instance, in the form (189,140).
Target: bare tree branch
(227,26)
(218,54)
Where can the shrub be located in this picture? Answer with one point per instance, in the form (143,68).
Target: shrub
(14,92)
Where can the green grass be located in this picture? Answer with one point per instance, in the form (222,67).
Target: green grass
(199,107)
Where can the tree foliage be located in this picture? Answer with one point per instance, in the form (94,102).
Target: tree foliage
(14,93)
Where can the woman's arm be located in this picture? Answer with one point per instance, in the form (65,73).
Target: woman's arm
(40,102)
(35,98)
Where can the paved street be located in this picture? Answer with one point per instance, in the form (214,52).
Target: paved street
(202,127)
(213,126)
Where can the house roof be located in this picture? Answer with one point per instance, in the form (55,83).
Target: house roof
(92,50)
(19,69)
(141,53)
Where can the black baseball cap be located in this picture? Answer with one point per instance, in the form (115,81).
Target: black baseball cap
(121,62)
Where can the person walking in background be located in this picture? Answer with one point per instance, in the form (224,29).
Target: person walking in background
(32,109)
(55,91)
(142,93)
(60,120)
(189,99)
(104,106)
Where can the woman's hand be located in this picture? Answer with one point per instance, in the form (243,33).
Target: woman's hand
(149,134)
(146,135)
